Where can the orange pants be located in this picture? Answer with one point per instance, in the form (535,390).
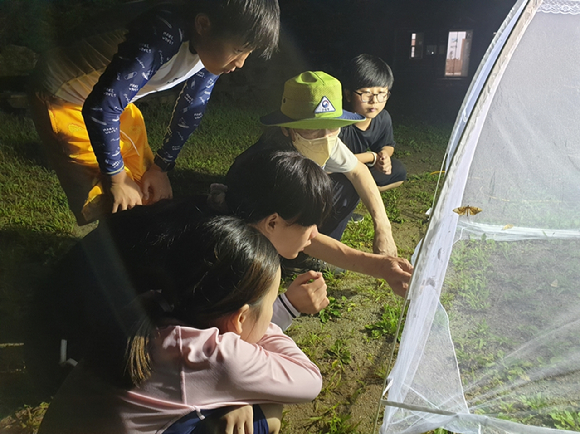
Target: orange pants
(62,130)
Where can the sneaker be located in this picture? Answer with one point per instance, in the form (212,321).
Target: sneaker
(304,263)
(356,218)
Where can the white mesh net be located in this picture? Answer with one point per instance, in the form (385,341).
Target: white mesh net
(491,342)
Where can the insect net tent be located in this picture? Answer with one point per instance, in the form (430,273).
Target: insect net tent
(491,342)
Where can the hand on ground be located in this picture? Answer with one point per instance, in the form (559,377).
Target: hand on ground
(308,293)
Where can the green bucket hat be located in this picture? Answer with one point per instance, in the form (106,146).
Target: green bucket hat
(312,100)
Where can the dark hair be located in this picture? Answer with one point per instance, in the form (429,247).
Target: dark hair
(203,271)
(256,22)
(286,183)
(366,70)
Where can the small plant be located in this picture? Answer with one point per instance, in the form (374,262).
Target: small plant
(340,353)
(310,343)
(390,198)
(331,422)
(386,326)
(335,309)
(566,420)
(535,402)
(340,356)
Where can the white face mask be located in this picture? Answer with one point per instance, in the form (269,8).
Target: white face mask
(318,150)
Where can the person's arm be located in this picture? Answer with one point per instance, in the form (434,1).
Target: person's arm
(369,158)
(284,312)
(306,294)
(366,188)
(396,271)
(274,370)
(138,58)
(187,114)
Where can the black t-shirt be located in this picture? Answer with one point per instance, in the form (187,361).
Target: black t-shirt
(376,137)
(273,140)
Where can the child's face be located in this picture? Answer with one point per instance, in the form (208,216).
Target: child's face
(257,322)
(291,239)
(221,56)
(372,107)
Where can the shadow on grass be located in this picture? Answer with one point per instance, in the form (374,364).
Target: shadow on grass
(26,259)
(33,153)
(186,182)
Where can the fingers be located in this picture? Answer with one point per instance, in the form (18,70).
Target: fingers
(405,266)
(239,420)
(125,192)
(248,427)
(308,293)
(318,294)
(145,190)
(126,204)
(400,290)
(305,277)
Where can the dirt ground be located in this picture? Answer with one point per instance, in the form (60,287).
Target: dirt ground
(354,365)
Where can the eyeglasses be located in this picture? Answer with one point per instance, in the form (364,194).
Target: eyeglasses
(379,97)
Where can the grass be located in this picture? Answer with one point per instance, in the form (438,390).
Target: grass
(335,308)
(501,298)
(387,325)
(36,229)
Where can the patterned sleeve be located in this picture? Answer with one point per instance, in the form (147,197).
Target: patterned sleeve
(187,114)
(153,41)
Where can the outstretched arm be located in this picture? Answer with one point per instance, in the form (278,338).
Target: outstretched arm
(396,271)
(366,188)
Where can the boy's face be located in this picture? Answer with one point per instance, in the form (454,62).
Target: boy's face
(221,56)
(366,101)
(218,55)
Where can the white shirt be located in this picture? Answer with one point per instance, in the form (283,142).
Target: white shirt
(341,159)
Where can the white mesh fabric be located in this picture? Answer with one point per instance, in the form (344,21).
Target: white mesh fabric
(491,342)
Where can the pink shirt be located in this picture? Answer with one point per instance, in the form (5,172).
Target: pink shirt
(192,370)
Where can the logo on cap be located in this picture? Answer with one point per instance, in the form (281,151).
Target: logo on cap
(324,106)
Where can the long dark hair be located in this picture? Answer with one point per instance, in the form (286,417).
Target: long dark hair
(204,271)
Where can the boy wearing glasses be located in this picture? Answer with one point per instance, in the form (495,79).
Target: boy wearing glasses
(366,82)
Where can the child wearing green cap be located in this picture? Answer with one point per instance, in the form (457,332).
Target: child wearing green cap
(310,119)
(366,81)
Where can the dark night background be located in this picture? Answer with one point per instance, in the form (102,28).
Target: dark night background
(316,35)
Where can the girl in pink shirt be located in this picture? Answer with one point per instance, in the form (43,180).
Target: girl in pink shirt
(198,341)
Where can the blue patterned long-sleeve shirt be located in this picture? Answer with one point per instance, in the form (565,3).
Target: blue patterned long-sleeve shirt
(106,72)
